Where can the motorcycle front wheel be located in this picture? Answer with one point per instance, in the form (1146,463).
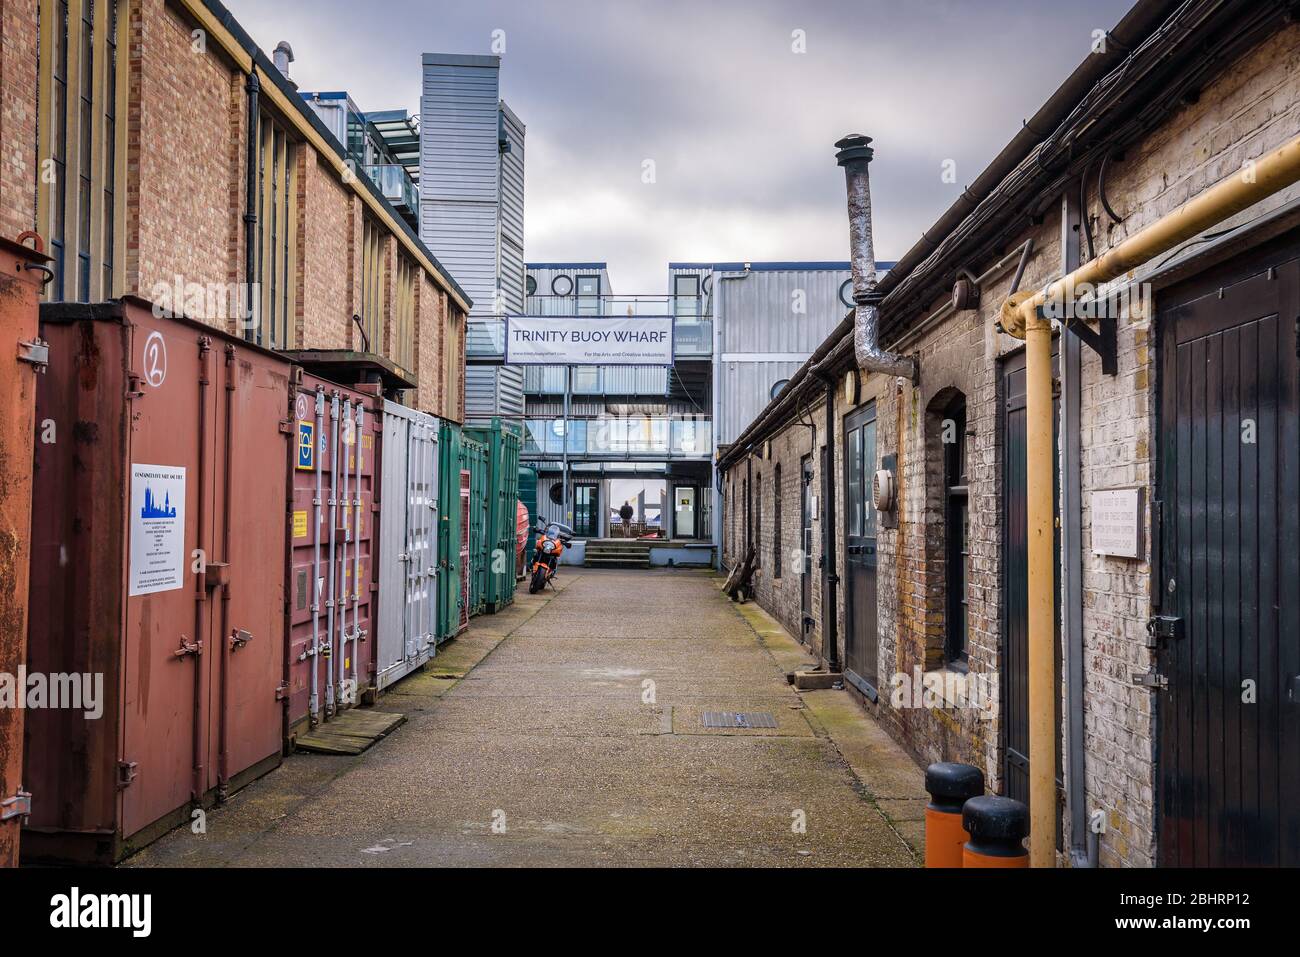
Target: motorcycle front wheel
(539,580)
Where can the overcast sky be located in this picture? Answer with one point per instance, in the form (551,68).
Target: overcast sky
(738,124)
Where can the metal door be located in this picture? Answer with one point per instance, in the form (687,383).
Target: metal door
(246,649)
(807,505)
(860,635)
(1015,658)
(1228,751)
(421,540)
(408,543)
(21,270)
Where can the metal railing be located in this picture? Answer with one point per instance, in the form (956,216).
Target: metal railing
(687,436)
(395,183)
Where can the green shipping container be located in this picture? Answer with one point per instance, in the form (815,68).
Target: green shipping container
(453,581)
(475,459)
(501,445)
(528,495)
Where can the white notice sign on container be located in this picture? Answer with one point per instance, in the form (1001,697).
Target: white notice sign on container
(157,528)
(1117,522)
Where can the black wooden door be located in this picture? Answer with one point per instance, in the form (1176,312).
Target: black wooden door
(860,637)
(1229,574)
(806,499)
(1015,656)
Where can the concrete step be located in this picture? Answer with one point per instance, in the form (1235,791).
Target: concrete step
(596,561)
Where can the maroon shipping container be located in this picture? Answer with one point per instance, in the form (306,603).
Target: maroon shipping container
(158,560)
(331,659)
(21,273)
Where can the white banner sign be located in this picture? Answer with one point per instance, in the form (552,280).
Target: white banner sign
(589,340)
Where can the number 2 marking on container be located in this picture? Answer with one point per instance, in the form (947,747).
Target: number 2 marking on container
(155,359)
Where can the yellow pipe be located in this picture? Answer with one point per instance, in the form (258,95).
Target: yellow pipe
(1272,172)
(1275,170)
(1041,559)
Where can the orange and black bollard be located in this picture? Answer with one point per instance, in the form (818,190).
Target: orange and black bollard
(950,786)
(997,827)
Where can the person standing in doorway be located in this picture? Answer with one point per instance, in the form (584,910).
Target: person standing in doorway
(625,513)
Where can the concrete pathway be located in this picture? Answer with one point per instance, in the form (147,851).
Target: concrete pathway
(568,731)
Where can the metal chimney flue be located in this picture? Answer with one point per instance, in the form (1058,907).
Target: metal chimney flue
(854,154)
(282,57)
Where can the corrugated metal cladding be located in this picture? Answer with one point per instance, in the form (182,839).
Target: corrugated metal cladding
(493,390)
(758,313)
(512,212)
(768,323)
(459,169)
(458,128)
(744,389)
(332,109)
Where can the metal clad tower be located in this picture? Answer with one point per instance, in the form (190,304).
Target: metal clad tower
(472,207)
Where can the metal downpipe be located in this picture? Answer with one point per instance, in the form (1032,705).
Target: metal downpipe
(854,154)
(252,87)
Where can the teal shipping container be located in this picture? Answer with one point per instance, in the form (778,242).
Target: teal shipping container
(528,495)
(500,525)
(453,534)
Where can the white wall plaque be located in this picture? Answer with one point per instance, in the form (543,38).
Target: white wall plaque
(1117,522)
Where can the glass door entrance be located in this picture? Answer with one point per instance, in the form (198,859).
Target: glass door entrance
(685,511)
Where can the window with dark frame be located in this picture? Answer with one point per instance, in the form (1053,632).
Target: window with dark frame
(78,146)
(956,530)
(758,521)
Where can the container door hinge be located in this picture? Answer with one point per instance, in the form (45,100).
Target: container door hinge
(282,691)
(126,772)
(1151,679)
(36,353)
(20,806)
(286,427)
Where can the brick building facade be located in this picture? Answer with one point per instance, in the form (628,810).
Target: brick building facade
(1204,118)
(125,146)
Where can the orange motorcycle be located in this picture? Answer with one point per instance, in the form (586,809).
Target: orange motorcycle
(552,539)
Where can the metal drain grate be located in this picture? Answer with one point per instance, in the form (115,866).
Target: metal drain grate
(739,719)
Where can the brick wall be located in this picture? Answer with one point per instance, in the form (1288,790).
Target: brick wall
(324,257)
(18,172)
(178,158)
(184,140)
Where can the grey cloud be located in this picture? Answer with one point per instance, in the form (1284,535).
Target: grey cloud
(740,127)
